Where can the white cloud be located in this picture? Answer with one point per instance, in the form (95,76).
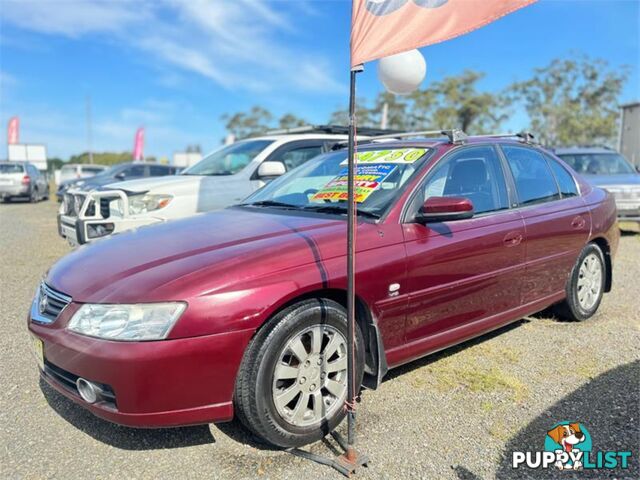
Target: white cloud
(238,44)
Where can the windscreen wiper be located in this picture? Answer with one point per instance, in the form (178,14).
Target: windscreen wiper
(339,209)
(269,203)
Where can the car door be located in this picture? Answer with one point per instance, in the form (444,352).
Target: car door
(462,271)
(557,222)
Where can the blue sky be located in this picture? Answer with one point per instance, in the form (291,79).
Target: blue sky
(176,66)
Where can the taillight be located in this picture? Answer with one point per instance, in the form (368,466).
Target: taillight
(26,180)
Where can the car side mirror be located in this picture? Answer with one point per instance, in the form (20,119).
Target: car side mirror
(271,169)
(121,176)
(442,209)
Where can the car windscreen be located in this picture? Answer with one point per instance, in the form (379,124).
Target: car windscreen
(321,184)
(11,168)
(230,159)
(598,163)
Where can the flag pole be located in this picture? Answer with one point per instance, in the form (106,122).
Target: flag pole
(351,459)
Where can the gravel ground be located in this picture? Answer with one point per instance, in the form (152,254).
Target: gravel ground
(458,414)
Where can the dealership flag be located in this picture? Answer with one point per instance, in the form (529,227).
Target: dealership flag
(13,130)
(138,145)
(380,28)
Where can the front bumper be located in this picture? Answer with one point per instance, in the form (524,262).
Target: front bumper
(79,225)
(628,210)
(155,384)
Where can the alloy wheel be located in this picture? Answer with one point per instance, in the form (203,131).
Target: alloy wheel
(589,281)
(310,376)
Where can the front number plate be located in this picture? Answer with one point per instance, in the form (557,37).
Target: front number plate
(38,351)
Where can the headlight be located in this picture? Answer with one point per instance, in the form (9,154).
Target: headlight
(144,321)
(148,203)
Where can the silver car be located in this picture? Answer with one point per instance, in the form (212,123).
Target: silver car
(608,169)
(22,180)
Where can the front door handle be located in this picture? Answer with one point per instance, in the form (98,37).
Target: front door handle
(512,239)
(578,222)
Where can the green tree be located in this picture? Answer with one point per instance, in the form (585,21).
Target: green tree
(456,102)
(248,124)
(572,101)
(102,158)
(289,120)
(363,113)
(397,109)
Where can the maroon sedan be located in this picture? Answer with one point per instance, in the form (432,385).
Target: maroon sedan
(242,311)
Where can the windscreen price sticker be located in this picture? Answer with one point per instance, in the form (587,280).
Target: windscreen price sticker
(398,155)
(366,180)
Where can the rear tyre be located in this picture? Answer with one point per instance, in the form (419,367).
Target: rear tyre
(292,383)
(33,196)
(585,286)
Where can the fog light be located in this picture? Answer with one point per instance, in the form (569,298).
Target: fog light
(97,230)
(89,391)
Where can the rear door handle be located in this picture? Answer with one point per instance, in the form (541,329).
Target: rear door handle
(512,239)
(578,222)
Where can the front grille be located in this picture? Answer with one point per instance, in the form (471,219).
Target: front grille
(50,303)
(68,381)
(105,207)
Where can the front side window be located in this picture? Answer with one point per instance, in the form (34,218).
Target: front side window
(534,181)
(474,173)
(598,163)
(158,171)
(297,156)
(565,180)
(320,185)
(230,159)
(134,171)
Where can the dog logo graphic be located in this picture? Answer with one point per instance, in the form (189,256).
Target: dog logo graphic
(569,441)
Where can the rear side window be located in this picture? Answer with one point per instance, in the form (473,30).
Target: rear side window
(474,173)
(565,180)
(534,181)
(9,168)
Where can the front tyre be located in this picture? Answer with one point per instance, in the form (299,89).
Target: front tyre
(292,383)
(585,286)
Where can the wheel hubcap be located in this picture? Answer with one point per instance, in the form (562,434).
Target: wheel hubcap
(589,281)
(310,377)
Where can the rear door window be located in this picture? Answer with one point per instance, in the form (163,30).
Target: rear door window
(534,181)
(565,180)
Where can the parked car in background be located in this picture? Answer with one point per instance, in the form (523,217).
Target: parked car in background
(22,180)
(117,173)
(75,171)
(222,178)
(243,310)
(608,169)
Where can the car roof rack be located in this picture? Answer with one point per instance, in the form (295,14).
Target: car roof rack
(455,136)
(332,129)
(526,137)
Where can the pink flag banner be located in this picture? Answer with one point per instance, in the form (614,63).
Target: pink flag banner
(138,145)
(380,28)
(13,131)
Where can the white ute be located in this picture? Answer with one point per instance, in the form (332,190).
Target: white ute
(224,177)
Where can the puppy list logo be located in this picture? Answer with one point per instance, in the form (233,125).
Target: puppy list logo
(567,446)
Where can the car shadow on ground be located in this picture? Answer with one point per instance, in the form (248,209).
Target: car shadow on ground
(124,437)
(608,406)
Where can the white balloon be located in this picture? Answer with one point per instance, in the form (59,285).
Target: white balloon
(402,73)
